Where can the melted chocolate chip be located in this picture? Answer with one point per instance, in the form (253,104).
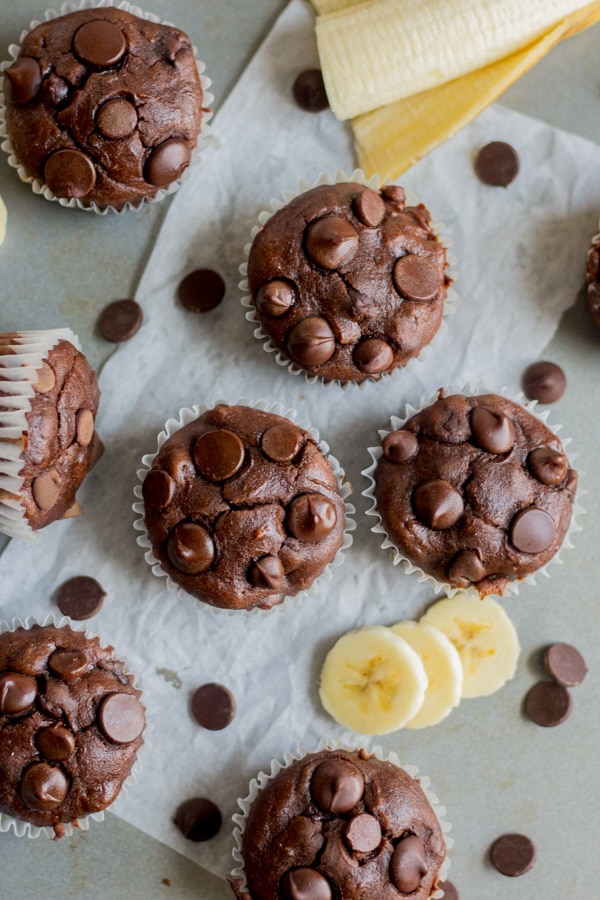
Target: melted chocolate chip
(336,786)
(513,854)
(121,717)
(43,787)
(544,381)
(46,379)
(219,454)
(373,356)
(117,118)
(167,162)
(532,530)
(158,489)
(46,488)
(437,504)
(68,665)
(309,91)
(22,80)
(565,664)
(466,568)
(311,342)
(84,426)
(548,704)
(201,290)
(408,864)
(497,164)
(213,706)
(492,430)
(191,548)
(198,819)
(281,443)
(416,278)
(267,572)
(369,207)
(69,173)
(311,517)
(331,241)
(120,320)
(17,693)
(275,298)
(305,884)
(55,743)
(363,833)
(400,446)
(548,466)
(80,597)
(99,43)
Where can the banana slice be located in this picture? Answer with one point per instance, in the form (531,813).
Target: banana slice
(442,667)
(485,638)
(372,681)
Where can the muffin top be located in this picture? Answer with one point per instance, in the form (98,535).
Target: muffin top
(103,106)
(476,491)
(242,508)
(348,282)
(71,724)
(342,824)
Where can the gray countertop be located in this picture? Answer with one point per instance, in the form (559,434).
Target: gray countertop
(60,268)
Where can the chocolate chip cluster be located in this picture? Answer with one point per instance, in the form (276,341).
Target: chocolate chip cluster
(348,282)
(103,106)
(341,824)
(242,508)
(475,491)
(71,724)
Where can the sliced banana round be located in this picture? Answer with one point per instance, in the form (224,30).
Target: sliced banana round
(442,667)
(485,638)
(372,681)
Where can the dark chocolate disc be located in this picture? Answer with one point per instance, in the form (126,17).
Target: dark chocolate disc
(281,442)
(46,488)
(363,833)
(43,787)
(492,430)
(437,504)
(84,426)
(17,693)
(309,91)
(466,568)
(497,164)
(369,207)
(373,356)
(198,819)
(544,381)
(99,43)
(565,664)
(116,118)
(120,320)
(69,173)
(167,162)
(311,342)
(305,884)
(275,298)
(45,379)
(219,454)
(22,80)
(532,530)
(416,277)
(121,718)
(331,241)
(80,597)
(513,854)
(158,489)
(55,743)
(311,517)
(548,466)
(400,446)
(336,786)
(267,572)
(68,665)
(190,548)
(201,290)
(213,706)
(548,704)
(408,864)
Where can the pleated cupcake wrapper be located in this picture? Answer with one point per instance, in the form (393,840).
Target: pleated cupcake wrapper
(18,374)
(260,334)
(187,415)
(26,829)
(38,186)
(398,557)
(257,784)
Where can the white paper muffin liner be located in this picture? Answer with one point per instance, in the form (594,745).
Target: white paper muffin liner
(19,373)
(38,186)
(187,415)
(26,829)
(257,784)
(375,183)
(387,544)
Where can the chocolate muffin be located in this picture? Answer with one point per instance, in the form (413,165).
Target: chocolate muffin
(348,283)
(476,491)
(242,508)
(340,825)
(71,725)
(50,419)
(103,106)
(592,273)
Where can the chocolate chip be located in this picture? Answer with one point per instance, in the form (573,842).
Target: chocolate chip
(394,195)
(80,597)
(492,430)
(46,379)
(99,43)
(275,298)
(84,426)
(565,664)
(311,342)
(219,454)
(450,891)
(282,442)
(408,864)
(120,320)
(309,91)
(305,884)
(544,381)
(400,446)
(167,162)
(532,530)
(43,787)
(198,819)
(68,665)
(437,504)
(158,489)
(116,118)
(363,833)
(416,277)
(373,356)
(369,207)
(191,548)
(267,572)
(121,717)
(69,173)
(466,568)
(548,704)
(55,743)
(513,854)
(213,706)
(17,693)
(497,164)
(336,786)
(46,488)
(311,517)
(548,466)
(331,241)
(22,80)
(201,290)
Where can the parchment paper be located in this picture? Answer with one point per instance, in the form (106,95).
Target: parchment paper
(520,254)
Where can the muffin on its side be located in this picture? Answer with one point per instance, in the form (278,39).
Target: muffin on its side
(592,273)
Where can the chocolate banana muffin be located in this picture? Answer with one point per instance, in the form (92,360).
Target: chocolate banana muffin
(58,444)
(348,283)
(592,273)
(341,824)
(242,508)
(476,491)
(71,725)
(103,106)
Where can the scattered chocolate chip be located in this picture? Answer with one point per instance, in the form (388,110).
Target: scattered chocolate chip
(565,664)
(336,786)
(369,207)
(466,568)
(55,743)
(275,298)
(548,466)
(305,884)
(492,431)
(311,517)
(17,693)
(513,854)
(167,162)
(99,43)
(80,597)
(22,80)
(548,704)
(532,530)
(46,379)
(43,787)
(219,454)
(46,488)
(437,504)
(267,572)
(400,446)
(121,717)
(417,277)
(311,342)
(158,489)
(450,891)
(120,320)
(363,833)
(198,819)
(281,442)
(544,381)
(191,548)
(69,173)
(497,164)
(68,665)
(331,241)
(117,118)
(408,864)
(373,356)
(309,91)
(213,706)
(201,290)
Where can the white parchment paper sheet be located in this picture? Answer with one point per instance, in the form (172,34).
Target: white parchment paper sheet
(520,254)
